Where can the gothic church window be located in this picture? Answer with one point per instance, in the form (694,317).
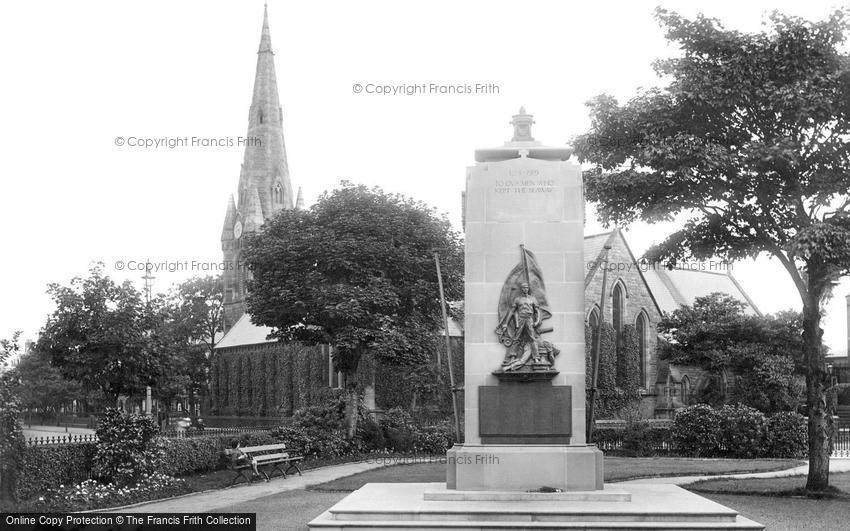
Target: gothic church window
(593,321)
(642,329)
(617,312)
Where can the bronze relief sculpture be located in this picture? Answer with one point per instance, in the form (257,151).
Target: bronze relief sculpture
(522,309)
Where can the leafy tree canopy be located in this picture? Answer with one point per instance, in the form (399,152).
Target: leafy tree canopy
(765,353)
(356,271)
(704,334)
(750,144)
(40,385)
(751,140)
(99,335)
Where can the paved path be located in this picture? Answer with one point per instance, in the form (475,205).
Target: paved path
(212,500)
(53,431)
(836,465)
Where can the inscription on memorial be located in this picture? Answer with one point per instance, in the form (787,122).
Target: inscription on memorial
(515,194)
(524,186)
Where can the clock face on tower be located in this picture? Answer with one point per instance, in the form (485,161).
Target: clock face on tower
(237,230)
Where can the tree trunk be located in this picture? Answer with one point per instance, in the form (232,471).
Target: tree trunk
(351,400)
(820,417)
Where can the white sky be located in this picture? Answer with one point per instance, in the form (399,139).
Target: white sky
(78,74)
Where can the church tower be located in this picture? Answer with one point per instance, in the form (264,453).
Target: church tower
(264,186)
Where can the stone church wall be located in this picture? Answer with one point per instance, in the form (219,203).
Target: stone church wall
(622,269)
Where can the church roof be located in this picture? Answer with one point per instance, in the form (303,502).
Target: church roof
(244,332)
(677,287)
(672,289)
(593,245)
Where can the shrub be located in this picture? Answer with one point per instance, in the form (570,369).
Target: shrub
(12,444)
(743,431)
(47,467)
(434,440)
(696,431)
(634,439)
(787,435)
(844,396)
(248,439)
(128,446)
(371,435)
(188,455)
(315,443)
(640,439)
(398,428)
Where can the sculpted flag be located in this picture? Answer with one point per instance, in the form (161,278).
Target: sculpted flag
(523,307)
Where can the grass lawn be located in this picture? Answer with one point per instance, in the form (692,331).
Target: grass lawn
(616,469)
(789,486)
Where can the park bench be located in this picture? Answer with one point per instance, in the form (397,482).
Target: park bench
(256,457)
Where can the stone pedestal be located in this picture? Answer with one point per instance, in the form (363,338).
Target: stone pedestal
(508,467)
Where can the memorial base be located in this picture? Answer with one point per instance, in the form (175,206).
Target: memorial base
(409,506)
(505,467)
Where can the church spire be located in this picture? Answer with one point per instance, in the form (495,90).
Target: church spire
(265,163)
(266,37)
(264,187)
(229,219)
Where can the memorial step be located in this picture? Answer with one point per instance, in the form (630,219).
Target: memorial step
(406,506)
(323,522)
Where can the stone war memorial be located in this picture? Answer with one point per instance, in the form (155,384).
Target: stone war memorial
(524,462)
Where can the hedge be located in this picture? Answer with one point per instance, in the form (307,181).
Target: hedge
(738,431)
(44,467)
(192,454)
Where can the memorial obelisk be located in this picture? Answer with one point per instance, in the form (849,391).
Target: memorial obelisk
(524,381)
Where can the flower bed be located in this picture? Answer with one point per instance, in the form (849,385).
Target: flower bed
(91,494)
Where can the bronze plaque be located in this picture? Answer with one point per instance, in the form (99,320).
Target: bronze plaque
(525,413)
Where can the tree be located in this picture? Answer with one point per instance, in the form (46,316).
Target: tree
(355,271)
(749,143)
(100,335)
(199,309)
(40,385)
(191,320)
(765,353)
(12,444)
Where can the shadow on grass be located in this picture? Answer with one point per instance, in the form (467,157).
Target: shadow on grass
(794,487)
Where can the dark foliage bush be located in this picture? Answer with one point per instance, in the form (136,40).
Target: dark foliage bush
(635,439)
(844,396)
(787,435)
(640,439)
(371,434)
(46,467)
(12,444)
(743,432)
(434,440)
(128,446)
(696,431)
(190,455)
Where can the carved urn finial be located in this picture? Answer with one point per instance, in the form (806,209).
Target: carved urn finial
(522,126)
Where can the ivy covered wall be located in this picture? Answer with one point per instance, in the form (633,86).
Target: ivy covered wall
(269,380)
